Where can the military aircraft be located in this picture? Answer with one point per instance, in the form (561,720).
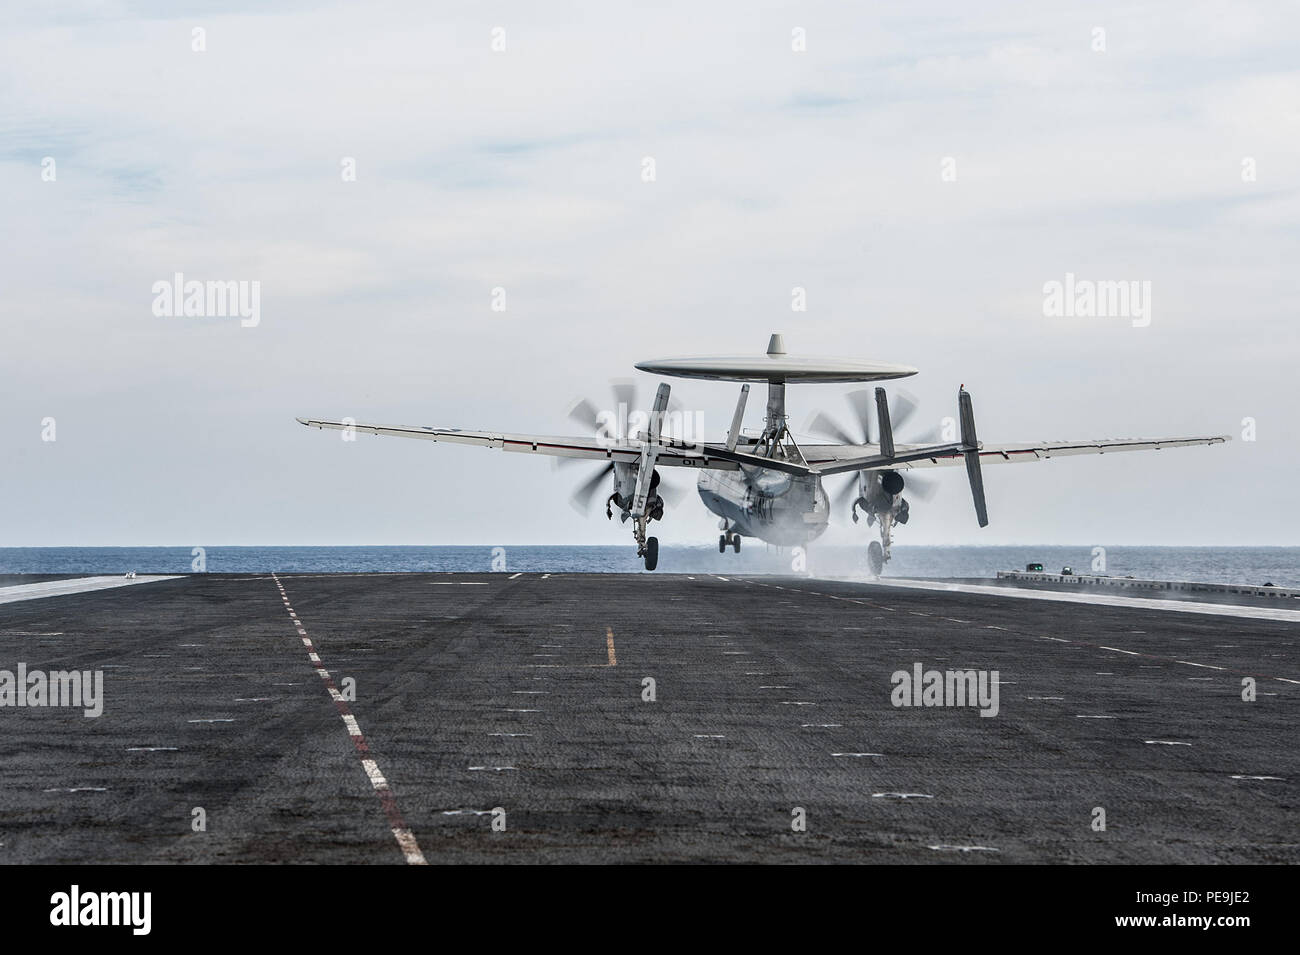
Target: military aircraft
(766,485)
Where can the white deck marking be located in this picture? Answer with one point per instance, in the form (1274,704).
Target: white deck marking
(1089,598)
(1106,600)
(901,796)
(947,848)
(79,585)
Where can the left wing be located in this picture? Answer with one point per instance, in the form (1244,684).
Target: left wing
(593,448)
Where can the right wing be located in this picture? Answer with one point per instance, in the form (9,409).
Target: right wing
(831,459)
(592,448)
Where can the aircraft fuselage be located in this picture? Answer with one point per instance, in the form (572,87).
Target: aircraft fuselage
(774,506)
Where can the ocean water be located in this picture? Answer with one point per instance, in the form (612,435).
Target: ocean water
(1242,565)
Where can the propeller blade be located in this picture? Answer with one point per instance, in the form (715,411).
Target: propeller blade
(561,464)
(586,414)
(843,497)
(933,436)
(671,493)
(901,408)
(624,394)
(863,403)
(823,424)
(919,487)
(583,494)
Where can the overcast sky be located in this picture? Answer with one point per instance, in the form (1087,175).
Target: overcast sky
(1115,156)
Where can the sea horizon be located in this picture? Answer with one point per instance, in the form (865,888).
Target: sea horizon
(1241,564)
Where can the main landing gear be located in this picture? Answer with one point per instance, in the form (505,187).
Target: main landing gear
(646,547)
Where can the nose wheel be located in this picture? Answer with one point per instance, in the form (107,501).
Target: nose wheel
(728,538)
(651,553)
(876,558)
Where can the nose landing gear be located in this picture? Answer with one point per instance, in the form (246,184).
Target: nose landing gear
(727,537)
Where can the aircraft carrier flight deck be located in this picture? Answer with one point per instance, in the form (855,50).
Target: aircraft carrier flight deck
(483,718)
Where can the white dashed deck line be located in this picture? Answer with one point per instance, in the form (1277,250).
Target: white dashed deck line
(376,777)
(406,841)
(79,585)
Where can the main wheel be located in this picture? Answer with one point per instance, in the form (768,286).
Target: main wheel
(876,557)
(735,543)
(722,544)
(651,553)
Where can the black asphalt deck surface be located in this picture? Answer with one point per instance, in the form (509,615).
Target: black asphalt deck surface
(759,681)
